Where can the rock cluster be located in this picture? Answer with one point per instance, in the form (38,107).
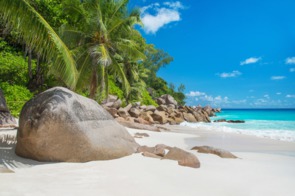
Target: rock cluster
(168,112)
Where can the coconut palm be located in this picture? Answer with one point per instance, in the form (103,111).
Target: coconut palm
(40,37)
(101,40)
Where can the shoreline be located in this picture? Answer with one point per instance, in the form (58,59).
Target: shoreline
(236,142)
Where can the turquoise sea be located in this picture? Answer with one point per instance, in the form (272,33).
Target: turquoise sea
(276,124)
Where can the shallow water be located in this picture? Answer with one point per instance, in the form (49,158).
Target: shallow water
(276,124)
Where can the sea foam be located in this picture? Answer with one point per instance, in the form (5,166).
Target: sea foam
(256,128)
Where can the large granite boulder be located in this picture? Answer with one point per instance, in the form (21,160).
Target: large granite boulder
(6,119)
(60,125)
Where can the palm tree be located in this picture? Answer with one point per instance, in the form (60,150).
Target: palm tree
(101,41)
(40,37)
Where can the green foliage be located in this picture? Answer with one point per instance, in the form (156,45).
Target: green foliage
(114,89)
(40,37)
(5,47)
(179,97)
(147,99)
(16,96)
(13,69)
(51,10)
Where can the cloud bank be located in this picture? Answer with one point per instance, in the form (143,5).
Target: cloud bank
(156,15)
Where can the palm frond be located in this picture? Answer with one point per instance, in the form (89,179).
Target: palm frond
(117,69)
(39,35)
(100,55)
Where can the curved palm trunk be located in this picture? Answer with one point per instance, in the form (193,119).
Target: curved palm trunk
(6,120)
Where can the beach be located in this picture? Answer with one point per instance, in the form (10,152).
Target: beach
(264,167)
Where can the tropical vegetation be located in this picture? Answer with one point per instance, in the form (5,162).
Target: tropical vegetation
(92,46)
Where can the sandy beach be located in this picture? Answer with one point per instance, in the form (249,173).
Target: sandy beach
(264,167)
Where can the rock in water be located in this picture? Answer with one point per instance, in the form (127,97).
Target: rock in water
(60,125)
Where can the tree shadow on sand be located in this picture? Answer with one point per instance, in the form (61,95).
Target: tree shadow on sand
(8,158)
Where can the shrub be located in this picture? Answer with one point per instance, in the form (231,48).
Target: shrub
(114,89)
(147,99)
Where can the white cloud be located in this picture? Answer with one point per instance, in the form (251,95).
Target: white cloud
(195,94)
(209,99)
(230,74)
(278,77)
(278,93)
(174,5)
(292,69)
(290,96)
(290,60)
(250,61)
(163,15)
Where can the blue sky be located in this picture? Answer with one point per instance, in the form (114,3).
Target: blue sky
(227,53)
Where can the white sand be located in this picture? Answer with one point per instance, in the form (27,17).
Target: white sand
(256,173)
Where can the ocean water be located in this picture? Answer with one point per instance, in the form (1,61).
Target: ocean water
(278,124)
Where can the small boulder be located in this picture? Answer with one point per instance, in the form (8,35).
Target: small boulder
(134,112)
(112,111)
(169,99)
(211,150)
(123,113)
(235,121)
(184,158)
(147,116)
(142,135)
(161,101)
(159,116)
(117,104)
(150,108)
(189,117)
(128,107)
(162,108)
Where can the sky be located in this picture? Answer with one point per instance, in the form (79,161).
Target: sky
(227,53)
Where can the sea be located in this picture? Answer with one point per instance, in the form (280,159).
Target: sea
(277,124)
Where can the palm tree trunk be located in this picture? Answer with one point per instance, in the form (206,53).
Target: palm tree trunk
(93,83)
(30,64)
